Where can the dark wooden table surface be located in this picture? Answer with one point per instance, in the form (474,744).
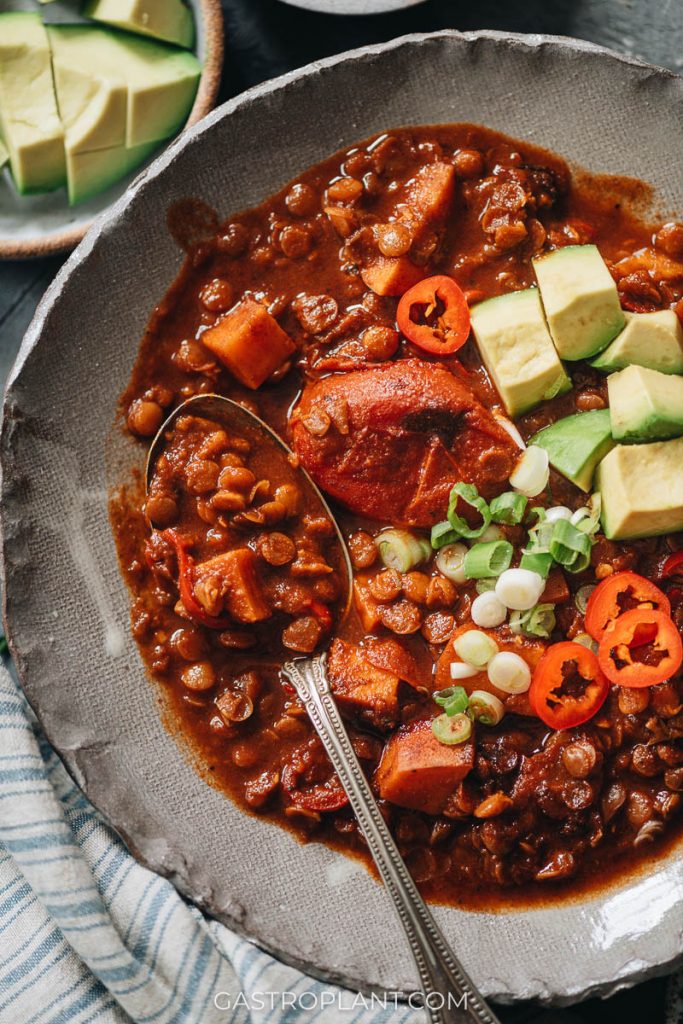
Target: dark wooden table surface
(265,38)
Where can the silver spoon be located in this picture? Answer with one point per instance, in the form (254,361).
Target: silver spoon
(449,993)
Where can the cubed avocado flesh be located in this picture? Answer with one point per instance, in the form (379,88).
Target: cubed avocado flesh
(91,173)
(576,444)
(169,20)
(654,340)
(642,489)
(161,82)
(517,349)
(29,122)
(580,299)
(645,405)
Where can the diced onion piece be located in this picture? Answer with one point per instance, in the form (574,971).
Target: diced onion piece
(557,512)
(452,729)
(401,550)
(486,708)
(509,673)
(532,472)
(461,670)
(475,648)
(519,589)
(586,641)
(509,427)
(488,611)
(450,562)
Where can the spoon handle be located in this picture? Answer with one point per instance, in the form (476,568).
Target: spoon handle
(450,995)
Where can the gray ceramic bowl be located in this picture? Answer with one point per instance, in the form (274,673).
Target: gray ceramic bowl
(67,607)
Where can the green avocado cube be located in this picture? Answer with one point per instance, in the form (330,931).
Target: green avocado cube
(517,350)
(654,340)
(29,121)
(580,299)
(576,444)
(645,405)
(170,20)
(642,489)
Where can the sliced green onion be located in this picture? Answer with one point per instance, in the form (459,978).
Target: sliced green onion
(538,621)
(492,532)
(486,707)
(470,495)
(485,560)
(401,550)
(530,475)
(586,641)
(537,561)
(452,729)
(484,586)
(453,699)
(570,546)
(587,519)
(443,534)
(508,508)
(582,595)
(450,562)
(475,648)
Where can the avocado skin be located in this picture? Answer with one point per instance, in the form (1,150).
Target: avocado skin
(576,444)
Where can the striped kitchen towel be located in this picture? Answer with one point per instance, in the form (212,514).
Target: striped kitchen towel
(89,935)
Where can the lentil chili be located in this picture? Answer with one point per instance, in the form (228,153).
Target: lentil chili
(291,309)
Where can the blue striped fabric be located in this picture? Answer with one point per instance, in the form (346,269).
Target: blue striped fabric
(88,935)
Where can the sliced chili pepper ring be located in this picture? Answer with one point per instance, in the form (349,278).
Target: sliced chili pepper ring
(442,325)
(568,686)
(622,592)
(643,648)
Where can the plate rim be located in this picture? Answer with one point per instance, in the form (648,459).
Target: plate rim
(209,83)
(533,42)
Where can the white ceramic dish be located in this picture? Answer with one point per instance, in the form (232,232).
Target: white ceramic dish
(66,605)
(38,225)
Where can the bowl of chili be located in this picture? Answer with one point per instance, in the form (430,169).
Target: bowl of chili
(63,461)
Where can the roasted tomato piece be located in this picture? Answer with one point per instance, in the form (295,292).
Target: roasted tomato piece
(643,648)
(619,593)
(352,432)
(434,315)
(568,686)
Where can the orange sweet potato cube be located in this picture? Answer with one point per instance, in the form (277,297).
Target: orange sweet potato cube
(429,198)
(231,579)
(249,342)
(360,686)
(365,604)
(417,771)
(391,275)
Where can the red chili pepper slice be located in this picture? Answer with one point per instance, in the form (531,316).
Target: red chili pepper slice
(643,648)
(186,584)
(434,315)
(568,686)
(619,593)
(673,565)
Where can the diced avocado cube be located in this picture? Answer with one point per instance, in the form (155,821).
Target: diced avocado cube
(645,405)
(517,349)
(654,340)
(170,20)
(29,122)
(580,299)
(91,173)
(642,489)
(92,106)
(576,444)
(161,82)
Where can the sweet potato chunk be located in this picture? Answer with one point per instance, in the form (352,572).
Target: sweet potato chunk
(391,275)
(229,583)
(249,342)
(362,687)
(365,604)
(409,414)
(417,771)
(428,198)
